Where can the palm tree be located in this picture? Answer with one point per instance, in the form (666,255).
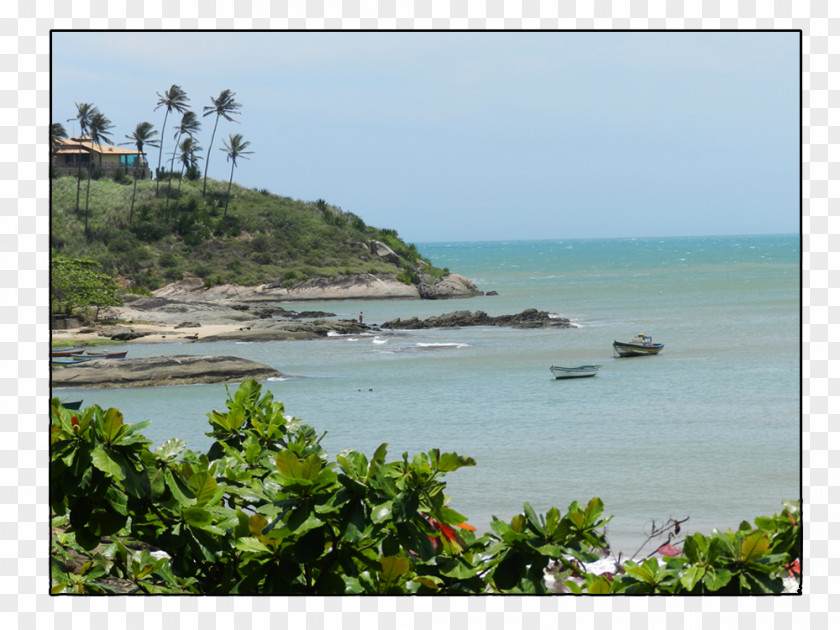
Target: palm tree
(143,135)
(84,112)
(190,124)
(57,132)
(99,128)
(235,148)
(173,99)
(224,107)
(188,156)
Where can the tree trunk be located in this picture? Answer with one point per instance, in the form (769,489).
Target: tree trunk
(160,154)
(87,198)
(227,200)
(172,170)
(133,195)
(78,183)
(207,161)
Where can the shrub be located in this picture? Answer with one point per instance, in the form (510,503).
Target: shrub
(263,258)
(264,510)
(173,274)
(168,260)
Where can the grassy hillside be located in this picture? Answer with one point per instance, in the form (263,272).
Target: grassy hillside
(263,237)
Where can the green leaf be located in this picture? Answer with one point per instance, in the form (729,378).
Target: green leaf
(204,488)
(718,547)
(695,548)
(431,582)
(257,523)
(593,511)
(176,487)
(552,518)
(533,519)
(112,422)
(599,586)
(353,463)
(289,465)
(103,462)
(550,550)
(405,506)
(241,529)
(357,488)
(251,545)
(171,449)
(380,453)
(647,572)
(196,516)
(104,522)
(393,568)
(509,571)
(451,517)
(228,422)
(754,547)
(716,579)
(692,576)
(452,461)
(381,512)
(311,467)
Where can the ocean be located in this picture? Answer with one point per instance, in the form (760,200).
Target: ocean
(708,430)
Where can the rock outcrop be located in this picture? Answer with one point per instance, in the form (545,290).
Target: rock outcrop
(362,286)
(289,330)
(159,370)
(359,286)
(449,286)
(529,318)
(378,248)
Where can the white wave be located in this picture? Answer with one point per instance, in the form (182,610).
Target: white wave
(379,340)
(443,345)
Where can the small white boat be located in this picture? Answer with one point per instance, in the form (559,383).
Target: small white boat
(581,371)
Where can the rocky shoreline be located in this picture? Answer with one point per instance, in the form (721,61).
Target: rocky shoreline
(186,311)
(529,318)
(344,287)
(160,370)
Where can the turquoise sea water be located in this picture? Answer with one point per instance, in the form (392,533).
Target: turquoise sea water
(709,429)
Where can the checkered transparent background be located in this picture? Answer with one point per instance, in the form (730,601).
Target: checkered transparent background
(24,387)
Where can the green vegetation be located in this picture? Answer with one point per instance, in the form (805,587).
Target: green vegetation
(264,511)
(80,283)
(152,235)
(264,238)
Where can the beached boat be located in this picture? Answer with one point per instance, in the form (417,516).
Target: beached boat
(638,346)
(581,371)
(72,360)
(106,355)
(65,352)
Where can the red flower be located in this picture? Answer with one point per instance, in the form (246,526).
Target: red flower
(793,568)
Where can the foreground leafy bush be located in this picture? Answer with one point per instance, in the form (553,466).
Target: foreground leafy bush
(264,511)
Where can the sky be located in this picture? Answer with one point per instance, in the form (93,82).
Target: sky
(475,136)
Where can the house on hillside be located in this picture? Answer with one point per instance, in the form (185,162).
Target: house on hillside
(72,153)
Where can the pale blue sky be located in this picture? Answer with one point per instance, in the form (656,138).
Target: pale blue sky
(475,135)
